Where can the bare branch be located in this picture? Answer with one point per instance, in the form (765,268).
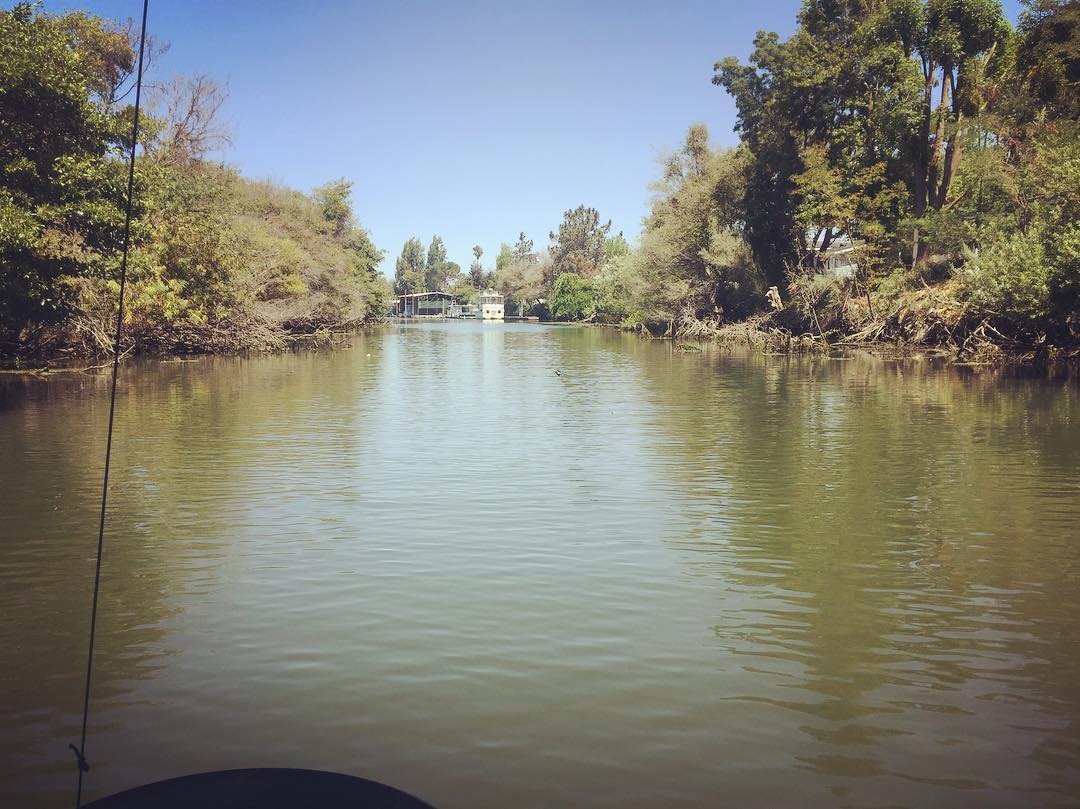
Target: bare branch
(190,108)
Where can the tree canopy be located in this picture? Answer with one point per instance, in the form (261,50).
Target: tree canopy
(578,246)
(409,268)
(62,191)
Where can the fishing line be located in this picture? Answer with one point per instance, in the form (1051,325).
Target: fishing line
(80,751)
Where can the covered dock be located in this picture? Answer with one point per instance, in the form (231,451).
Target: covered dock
(424,304)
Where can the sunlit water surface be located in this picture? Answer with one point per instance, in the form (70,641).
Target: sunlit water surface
(656,578)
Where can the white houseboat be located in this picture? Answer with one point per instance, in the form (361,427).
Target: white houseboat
(490,306)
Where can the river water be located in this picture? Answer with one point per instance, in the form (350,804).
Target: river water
(529,566)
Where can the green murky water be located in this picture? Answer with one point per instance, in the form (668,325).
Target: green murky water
(657,578)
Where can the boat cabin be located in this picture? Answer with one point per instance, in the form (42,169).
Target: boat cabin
(490,305)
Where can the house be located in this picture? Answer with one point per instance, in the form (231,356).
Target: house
(841,260)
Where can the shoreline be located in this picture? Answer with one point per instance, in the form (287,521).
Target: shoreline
(780,332)
(71,361)
(759,333)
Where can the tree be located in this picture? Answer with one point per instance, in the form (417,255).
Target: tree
(335,201)
(521,279)
(825,117)
(62,190)
(616,247)
(436,253)
(409,268)
(437,278)
(189,125)
(841,115)
(505,257)
(773,148)
(693,252)
(437,270)
(579,244)
(108,51)
(573,298)
(955,43)
(1048,57)
(476,269)
(523,249)
(462,288)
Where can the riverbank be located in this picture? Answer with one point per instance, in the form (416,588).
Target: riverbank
(926,320)
(271,342)
(962,339)
(215,262)
(256,267)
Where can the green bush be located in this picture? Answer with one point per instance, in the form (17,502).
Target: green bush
(1009,277)
(1063,253)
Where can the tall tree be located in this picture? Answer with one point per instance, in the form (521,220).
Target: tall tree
(437,270)
(436,253)
(770,133)
(838,117)
(955,43)
(476,269)
(409,268)
(578,247)
(505,257)
(517,274)
(693,252)
(523,249)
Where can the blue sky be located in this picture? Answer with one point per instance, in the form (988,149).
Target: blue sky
(473,120)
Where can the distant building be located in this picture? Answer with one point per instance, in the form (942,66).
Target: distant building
(424,304)
(490,306)
(839,260)
(461,310)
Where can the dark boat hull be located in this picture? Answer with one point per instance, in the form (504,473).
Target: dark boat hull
(262,789)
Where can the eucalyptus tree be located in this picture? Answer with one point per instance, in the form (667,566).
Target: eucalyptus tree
(961,46)
(773,101)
